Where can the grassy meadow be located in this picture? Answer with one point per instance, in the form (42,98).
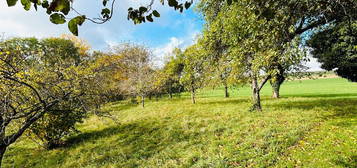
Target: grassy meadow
(314,124)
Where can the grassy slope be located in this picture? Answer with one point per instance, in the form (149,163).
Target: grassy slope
(313,125)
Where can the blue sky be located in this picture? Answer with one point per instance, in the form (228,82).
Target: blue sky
(172,29)
(17,22)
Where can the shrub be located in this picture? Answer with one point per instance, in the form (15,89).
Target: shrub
(58,123)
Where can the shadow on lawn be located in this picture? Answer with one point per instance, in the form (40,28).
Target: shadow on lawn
(137,140)
(334,108)
(337,104)
(140,139)
(326,95)
(224,101)
(348,164)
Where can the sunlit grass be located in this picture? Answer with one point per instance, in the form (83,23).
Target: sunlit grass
(314,124)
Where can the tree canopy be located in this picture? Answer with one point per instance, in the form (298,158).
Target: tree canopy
(37,77)
(257,37)
(336,48)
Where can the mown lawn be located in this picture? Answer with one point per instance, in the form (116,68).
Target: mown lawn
(314,124)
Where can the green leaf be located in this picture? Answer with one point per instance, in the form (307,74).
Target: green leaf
(143,9)
(26,4)
(187,5)
(57,18)
(105,2)
(38,2)
(156,13)
(11,2)
(106,13)
(63,6)
(74,23)
(149,18)
(173,3)
(45,4)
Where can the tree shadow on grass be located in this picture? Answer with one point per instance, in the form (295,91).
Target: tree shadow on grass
(342,105)
(348,164)
(137,141)
(126,143)
(334,108)
(223,101)
(119,106)
(343,95)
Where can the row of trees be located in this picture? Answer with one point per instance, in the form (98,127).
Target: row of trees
(49,85)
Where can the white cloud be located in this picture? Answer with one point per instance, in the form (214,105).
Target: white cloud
(313,65)
(15,21)
(162,52)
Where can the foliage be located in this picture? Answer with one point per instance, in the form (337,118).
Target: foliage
(193,75)
(82,45)
(36,78)
(290,64)
(61,55)
(171,73)
(58,123)
(216,53)
(255,35)
(137,69)
(336,48)
(108,71)
(252,48)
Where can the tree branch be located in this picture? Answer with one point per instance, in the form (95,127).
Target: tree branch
(315,24)
(265,80)
(29,86)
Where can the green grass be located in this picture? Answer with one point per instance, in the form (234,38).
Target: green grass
(314,124)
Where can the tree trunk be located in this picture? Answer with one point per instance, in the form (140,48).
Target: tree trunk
(256,96)
(2,152)
(143,101)
(2,138)
(276,91)
(170,92)
(226,93)
(156,97)
(193,96)
(276,81)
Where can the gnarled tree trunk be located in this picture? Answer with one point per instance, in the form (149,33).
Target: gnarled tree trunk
(276,83)
(256,87)
(276,91)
